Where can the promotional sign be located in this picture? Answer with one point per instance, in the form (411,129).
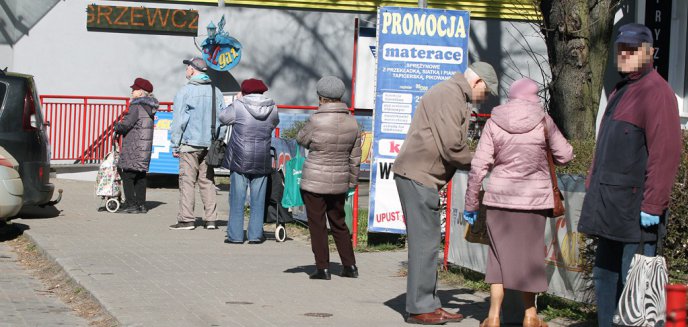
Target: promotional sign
(220,51)
(157,20)
(416,49)
(563,259)
(364,91)
(658,20)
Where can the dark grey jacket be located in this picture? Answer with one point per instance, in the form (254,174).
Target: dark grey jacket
(334,157)
(253,118)
(137,128)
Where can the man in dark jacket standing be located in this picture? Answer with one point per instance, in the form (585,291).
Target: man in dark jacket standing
(636,159)
(253,117)
(434,147)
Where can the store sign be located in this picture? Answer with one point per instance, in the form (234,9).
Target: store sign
(416,49)
(658,20)
(141,19)
(220,51)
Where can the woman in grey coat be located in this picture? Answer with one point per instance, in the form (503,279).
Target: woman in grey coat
(331,169)
(137,129)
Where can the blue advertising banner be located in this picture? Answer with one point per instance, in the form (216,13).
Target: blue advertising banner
(417,48)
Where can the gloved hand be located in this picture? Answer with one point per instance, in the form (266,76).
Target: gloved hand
(470,216)
(647,220)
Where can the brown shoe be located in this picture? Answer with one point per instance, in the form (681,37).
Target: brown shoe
(431,318)
(533,321)
(450,317)
(490,322)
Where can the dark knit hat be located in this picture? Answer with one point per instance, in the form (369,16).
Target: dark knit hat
(253,85)
(330,87)
(142,84)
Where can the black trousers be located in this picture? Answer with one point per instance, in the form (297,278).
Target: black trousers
(320,207)
(134,183)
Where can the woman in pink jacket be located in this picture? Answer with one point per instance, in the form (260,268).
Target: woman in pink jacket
(518,195)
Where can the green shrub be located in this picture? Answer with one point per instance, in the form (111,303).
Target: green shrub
(291,132)
(676,244)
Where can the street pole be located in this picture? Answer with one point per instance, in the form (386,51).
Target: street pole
(422,3)
(221,3)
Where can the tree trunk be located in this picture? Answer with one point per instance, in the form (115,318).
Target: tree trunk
(577,34)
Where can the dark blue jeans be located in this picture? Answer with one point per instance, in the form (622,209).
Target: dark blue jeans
(612,262)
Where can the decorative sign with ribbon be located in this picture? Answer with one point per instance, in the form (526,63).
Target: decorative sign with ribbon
(220,51)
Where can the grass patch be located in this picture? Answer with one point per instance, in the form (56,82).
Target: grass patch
(555,307)
(464,278)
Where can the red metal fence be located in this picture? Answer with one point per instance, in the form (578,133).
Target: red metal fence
(81,127)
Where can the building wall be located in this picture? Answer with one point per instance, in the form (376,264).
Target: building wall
(289,49)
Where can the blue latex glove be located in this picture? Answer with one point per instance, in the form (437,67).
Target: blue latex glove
(470,216)
(647,220)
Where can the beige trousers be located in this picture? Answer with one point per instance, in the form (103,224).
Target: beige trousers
(194,170)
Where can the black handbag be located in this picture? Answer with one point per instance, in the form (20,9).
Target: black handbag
(216,151)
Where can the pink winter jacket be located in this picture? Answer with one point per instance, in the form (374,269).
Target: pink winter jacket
(512,148)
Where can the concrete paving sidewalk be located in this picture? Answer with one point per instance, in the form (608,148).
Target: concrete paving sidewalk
(25,301)
(147,275)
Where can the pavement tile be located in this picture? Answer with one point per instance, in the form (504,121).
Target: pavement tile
(147,275)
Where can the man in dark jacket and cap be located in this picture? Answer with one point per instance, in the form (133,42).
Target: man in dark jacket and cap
(636,159)
(253,116)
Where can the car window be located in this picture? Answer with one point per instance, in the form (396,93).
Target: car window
(3,92)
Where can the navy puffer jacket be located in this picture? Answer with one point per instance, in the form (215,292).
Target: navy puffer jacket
(253,118)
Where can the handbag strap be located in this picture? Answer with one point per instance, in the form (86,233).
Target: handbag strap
(212,123)
(550,160)
(659,250)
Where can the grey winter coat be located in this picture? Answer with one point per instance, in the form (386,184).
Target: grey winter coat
(253,118)
(334,142)
(137,128)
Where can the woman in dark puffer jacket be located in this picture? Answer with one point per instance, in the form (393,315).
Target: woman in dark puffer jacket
(137,130)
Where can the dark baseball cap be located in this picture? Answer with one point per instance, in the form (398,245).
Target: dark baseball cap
(634,34)
(197,63)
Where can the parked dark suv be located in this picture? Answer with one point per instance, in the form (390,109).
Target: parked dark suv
(23,135)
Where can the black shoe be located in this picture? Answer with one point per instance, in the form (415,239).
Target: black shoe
(350,271)
(183,226)
(131,209)
(142,209)
(321,274)
(260,241)
(231,242)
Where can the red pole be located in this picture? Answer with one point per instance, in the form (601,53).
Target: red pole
(676,305)
(354,222)
(447,224)
(277,132)
(83,130)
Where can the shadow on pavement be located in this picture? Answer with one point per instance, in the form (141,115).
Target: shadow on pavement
(335,269)
(36,212)
(10,231)
(450,301)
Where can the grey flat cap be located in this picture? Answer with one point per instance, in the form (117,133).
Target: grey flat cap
(487,74)
(330,87)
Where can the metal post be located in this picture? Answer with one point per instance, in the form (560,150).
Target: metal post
(354,222)
(422,3)
(447,225)
(221,3)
